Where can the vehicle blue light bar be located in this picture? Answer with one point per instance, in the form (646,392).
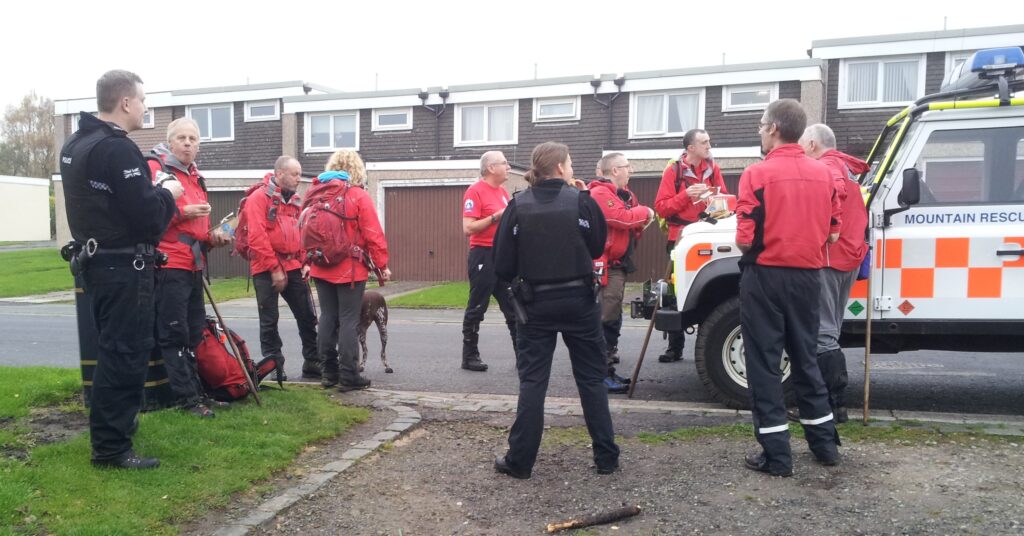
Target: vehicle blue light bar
(996,59)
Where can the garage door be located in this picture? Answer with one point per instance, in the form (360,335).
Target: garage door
(423,225)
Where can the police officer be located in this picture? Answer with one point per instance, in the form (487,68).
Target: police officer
(787,210)
(117,215)
(546,243)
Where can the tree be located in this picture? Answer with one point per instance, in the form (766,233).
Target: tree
(26,138)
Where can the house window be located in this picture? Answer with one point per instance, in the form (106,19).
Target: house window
(954,60)
(880,82)
(262,111)
(392,119)
(216,121)
(486,124)
(331,131)
(75,118)
(655,115)
(148,120)
(748,97)
(561,109)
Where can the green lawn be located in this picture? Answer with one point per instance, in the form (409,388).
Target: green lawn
(443,296)
(33,271)
(203,462)
(230,289)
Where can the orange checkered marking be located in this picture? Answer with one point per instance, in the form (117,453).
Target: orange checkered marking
(694,260)
(894,253)
(952,252)
(917,282)
(859,289)
(984,282)
(1019,263)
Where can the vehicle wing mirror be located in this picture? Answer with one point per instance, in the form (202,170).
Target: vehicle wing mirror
(910,194)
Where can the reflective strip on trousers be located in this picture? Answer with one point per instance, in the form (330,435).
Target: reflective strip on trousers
(820,420)
(773,429)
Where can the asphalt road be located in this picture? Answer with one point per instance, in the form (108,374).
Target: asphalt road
(424,348)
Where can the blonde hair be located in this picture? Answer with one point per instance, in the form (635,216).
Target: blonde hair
(349,161)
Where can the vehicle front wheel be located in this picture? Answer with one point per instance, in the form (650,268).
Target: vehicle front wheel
(720,358)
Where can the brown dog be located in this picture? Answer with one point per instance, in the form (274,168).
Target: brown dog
(374,311)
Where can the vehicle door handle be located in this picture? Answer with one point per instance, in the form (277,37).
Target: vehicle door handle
(1010,252)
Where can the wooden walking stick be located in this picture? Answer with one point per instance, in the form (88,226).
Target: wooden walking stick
(596,519)
(231,342)
(647,340)
(867,347)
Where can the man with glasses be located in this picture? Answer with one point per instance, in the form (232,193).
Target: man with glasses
(677,201)
(626,219)
(482,209)
(787,210)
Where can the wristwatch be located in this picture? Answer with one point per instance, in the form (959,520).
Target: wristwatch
(493,219)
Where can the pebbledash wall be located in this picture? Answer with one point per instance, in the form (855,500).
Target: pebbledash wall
(422,146)
(24,209)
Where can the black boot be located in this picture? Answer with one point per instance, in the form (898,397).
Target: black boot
(674,352)
(353,384)
(329,373)
(311,369)
(470,351)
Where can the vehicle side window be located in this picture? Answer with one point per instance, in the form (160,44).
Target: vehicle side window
(972,166)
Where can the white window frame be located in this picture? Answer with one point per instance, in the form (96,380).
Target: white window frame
(152,119)
(75,118)
(843,104)
(538,102)
(375,126)
(633,97)
(951,58)
(773,94)
(306,133)
(209,109)
(249,118)
(458,142)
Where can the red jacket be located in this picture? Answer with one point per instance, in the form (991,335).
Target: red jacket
(848,252)
(624,219)
(273,229)
(673,204)
(179,254)
(366,232)
(786,209)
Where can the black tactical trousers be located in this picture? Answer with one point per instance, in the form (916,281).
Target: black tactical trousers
(299,299)
(483,283)
(676,339)
(338,339)
(180,317)
(123,309)
(779,310)
(575,315)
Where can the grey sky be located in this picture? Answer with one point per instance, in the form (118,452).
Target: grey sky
(59,49)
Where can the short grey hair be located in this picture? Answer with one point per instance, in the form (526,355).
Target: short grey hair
(114,86)
(488,158)
(179,122)
(821,134)
(282,162)
(607,161)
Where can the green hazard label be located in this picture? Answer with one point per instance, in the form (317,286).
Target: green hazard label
(855,308)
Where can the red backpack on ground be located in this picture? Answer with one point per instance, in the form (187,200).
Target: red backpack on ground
(322,227)
(220,373)
(241,247)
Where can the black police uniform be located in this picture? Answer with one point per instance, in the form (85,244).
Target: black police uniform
(110,199)
(548,238)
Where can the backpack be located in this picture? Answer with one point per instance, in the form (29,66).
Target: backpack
(219,371)
(241,247)
(322,229)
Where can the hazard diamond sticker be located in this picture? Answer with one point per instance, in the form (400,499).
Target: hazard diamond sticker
(906,307)
(856,308)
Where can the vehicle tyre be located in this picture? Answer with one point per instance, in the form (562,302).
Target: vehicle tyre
(720,359)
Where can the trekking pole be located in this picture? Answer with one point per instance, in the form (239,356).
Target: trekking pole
(867,349)
(647,339)
(231,342)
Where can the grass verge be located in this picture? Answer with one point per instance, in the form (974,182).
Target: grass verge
(443,296)
(204,462)
(231,288)
(33,271)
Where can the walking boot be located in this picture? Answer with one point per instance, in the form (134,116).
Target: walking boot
(329,374)
(128,460)
(613,355)
(310,369)
(474,363)
(614,386)
(353,384)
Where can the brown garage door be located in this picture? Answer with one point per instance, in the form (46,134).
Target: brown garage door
(424,231)
(221,262)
